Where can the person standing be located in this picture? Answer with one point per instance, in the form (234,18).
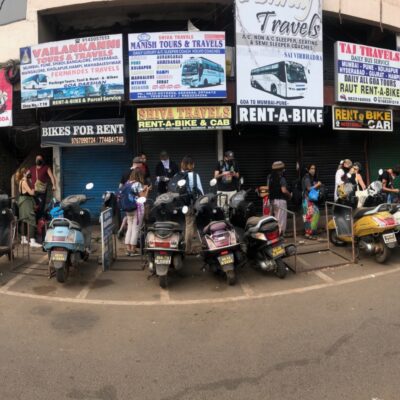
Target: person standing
(41,176)
(26,207)
(165,170)
(279,194)
(195,189)
(135,217)
(227,175)
(136,163)
(340,176)
(146,169)
(310,207)
(387,178)
(357,168)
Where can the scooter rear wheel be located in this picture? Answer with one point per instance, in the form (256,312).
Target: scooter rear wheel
(231,278)
(384,255)
(62,274)
(163,281)
(281,269)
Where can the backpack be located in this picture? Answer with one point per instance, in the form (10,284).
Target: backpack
(173,186)
(126,198)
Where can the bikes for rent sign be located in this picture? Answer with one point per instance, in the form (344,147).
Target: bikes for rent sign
(83,133)
(6,100)
(279,61)
(177,65)
(367,74)
(77,71)
(184,118)
(362,119)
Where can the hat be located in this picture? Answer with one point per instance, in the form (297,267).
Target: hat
(137,160)
(278,165)
(164,153)
(229,154)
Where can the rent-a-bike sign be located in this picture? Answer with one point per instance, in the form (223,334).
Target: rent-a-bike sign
(6,101)
(365,74)
(362,119)
(99,132)
(177,65)
(189,118)
(279,61)
(72,72)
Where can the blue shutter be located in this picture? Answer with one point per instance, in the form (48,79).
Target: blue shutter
(103,166)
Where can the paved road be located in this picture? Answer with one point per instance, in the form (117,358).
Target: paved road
(337,342)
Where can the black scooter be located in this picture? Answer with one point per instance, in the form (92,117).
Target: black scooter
(7,227)
(262,241)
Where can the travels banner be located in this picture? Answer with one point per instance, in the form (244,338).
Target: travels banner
(362,119)
(77,71)
(279,61)
(184,118)
(365,74)
(6,101)
(177,65)
(103,132)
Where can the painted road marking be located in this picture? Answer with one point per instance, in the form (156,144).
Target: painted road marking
(85,291)
(324,277)
(20,275)
(200,301)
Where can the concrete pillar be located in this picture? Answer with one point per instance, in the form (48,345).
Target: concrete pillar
(220,144)
(57,170)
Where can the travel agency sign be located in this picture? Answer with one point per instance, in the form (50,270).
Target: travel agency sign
(367,74)
(279,61)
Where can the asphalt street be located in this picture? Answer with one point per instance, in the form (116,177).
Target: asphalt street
(334,342)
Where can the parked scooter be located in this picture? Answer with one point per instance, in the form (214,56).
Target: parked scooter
(68,238)
(7,227)
(164,243)
(374,230)
(221,249)
(262,240)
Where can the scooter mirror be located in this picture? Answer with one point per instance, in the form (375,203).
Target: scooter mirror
(181,183)
(141,200)
(185,210)
(213,182)
(89,186)
(241,180)
(380,172)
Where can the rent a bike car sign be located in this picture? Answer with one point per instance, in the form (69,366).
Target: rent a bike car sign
(279,61)
(177,65)
(78,71)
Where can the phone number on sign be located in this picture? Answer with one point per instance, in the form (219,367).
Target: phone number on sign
(99,140)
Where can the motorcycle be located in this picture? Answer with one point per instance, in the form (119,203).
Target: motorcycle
(7,227)
(68,238)
(263,242)
(164,243)
(374,230)
(221,248)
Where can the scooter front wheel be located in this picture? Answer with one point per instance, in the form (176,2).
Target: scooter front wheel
(333,237)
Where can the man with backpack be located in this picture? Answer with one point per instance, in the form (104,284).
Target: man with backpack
(165,170)
(227,175)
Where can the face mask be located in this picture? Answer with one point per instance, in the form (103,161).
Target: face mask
(39,162)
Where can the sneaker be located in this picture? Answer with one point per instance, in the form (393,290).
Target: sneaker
(24,240)
(35,244)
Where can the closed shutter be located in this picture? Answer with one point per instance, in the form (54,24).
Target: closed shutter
(383,152)
(202,146)
(101,165)
(326,148)
(256,148)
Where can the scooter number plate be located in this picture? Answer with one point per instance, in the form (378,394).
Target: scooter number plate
(59,256)
(277,251)
(225,260)
(389,238)
(163,260)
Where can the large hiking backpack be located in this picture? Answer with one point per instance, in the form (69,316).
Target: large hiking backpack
(126,198)
(192,194)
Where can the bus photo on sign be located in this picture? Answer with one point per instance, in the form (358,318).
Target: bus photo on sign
(284,79)
(200,71)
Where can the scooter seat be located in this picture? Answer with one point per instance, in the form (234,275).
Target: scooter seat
(66,223)
(215,226)
(253,221)
(254,224)
(169,225)
(360,212)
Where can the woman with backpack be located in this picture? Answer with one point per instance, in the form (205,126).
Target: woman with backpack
(195,189)
(310,185)
(133,189)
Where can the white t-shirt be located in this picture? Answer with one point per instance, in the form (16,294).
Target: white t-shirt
(338,181)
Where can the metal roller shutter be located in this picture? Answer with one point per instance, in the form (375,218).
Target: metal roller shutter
(383,152)
(101,165)
(326,148)
(202,146)
(256,148)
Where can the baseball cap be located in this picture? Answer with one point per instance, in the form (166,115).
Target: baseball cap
(229,154)
(137,160)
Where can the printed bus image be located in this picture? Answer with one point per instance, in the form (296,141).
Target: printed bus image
(200,71)
(38,81)
(285,79)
